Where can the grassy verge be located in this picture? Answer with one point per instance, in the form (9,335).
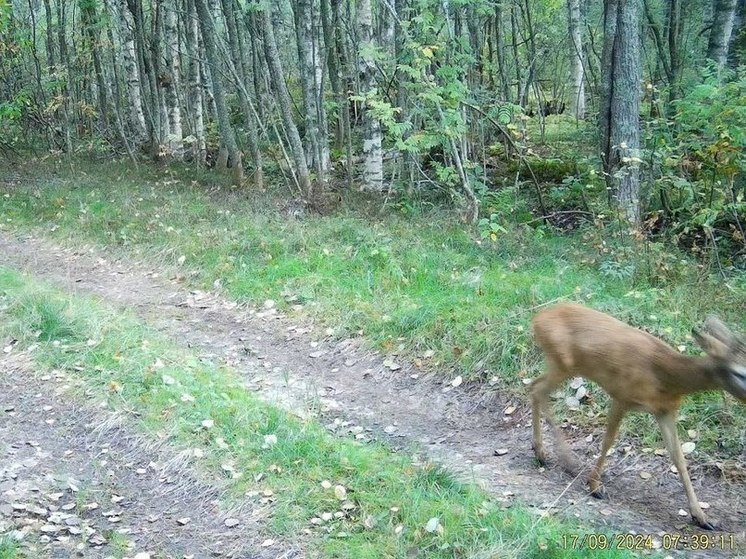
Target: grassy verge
(376,503)
(422,285)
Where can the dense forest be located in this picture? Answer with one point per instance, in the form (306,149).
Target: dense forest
(453,101)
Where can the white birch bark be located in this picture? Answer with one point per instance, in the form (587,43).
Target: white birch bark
(175,138)
(372,135)
(125,25)
(577,77)
(724,13)
(199,146)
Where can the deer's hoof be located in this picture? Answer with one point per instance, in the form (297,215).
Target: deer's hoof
(599,491)
(541,456)
(707,524)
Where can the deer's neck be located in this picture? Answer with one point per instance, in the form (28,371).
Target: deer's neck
(693,374)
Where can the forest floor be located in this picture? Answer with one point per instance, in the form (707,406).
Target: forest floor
(58,446)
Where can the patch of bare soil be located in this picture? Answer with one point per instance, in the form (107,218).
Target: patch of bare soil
(295,364)
(76,481)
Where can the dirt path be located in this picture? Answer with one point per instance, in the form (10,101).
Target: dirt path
(300,368)
(75,481)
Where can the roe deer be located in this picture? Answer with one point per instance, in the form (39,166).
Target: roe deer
(638,371)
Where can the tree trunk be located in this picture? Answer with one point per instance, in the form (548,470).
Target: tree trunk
(278,80)
(675,35)
(199,147)
(50,36)
(723,15)
(124,25)
(620,105)
(221,108)
(66,89)
(372,135)
(311,78)
(171,80)
(240,76)
(577,63)
(502,71)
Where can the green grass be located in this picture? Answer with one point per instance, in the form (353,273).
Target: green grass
(8,547)
(390,497)
(423,285)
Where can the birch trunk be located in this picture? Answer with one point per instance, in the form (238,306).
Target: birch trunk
(372,135)
(577,65)
(723,15)
(311,78)
(171,79)
(199,145)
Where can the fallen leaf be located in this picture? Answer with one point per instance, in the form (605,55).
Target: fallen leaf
(688,447)
(393,366)
(457,381)
(572,402)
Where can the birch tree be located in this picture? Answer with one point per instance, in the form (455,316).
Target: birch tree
(723,16)
(311,71)
(199,142)
(577,59)
(372,135)
(171,80)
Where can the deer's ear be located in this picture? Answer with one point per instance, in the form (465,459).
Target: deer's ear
(710,344)
(719,330)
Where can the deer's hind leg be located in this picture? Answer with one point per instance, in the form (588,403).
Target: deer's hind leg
(541,388)
(614,419)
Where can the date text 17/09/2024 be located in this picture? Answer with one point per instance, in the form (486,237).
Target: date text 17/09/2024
(639,542)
